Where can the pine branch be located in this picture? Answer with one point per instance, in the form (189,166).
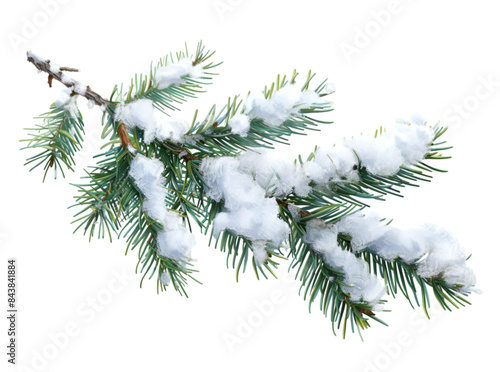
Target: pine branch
(141,234)
(325,202)
(106,197)
(59,137)
(326,284)
(215,136)
(239,255)
(113,205)
(318,278)
(398,274)
(373,186)
(166,98)
(155,178)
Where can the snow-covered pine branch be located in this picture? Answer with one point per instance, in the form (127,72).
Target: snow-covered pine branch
(251,186)
(58,138)
(142,114)
(431,250)
(174,240)
(158,177)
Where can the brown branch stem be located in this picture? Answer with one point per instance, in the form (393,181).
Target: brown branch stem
(122,133)
(44,65)
(56,74)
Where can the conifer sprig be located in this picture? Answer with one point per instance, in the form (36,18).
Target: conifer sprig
(58,138)
(111,201)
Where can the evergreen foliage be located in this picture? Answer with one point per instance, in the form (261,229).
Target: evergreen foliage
(109,203)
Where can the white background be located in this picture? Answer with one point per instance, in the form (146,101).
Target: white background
(427,57)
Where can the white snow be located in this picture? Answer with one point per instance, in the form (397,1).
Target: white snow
(433,250)
(67,102)
(363,229)
(79,88)
(131,149)
(90,103)
(55,69)
(174,241)
(444,251)
(174,73)
(248,212)
(64,97)
(142,114)
(402,145)
(275,173)
(461,276)
(332,165)
(283,104)
(360,284)
(259,251)
(174,130)
(295,212)
(330,88)
(66,79)
(139,113)
(409,245)
(240,124)
(165,278)
(147,176)
(72,108)
(35,57)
